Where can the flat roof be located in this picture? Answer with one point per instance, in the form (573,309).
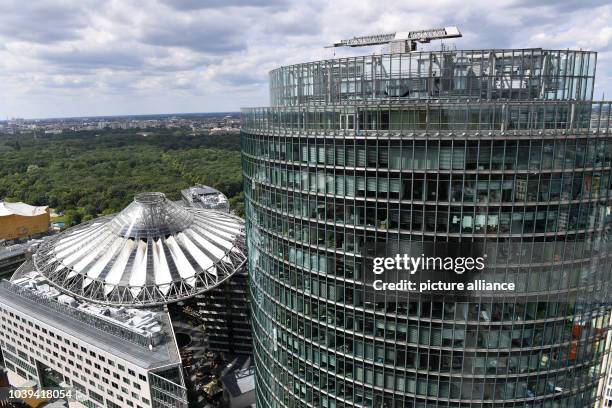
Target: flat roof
(165,353)
(200,189)
(239,378)
(205,197)
(141,321)
(19,249)
(13,250)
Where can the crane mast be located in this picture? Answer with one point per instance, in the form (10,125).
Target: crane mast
(400,41)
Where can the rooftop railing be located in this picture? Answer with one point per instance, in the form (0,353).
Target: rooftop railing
(459,118)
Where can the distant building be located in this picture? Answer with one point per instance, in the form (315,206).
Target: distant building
(224,309)
(223,130)
(201,196)
(225,314)
(13,256)
(10,259)
(16,121)
(19,220)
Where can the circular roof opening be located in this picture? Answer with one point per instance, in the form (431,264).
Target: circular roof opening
(150,198)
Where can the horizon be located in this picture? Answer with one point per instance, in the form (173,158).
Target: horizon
(121,116)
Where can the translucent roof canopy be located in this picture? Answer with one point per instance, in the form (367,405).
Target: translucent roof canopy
(152,252)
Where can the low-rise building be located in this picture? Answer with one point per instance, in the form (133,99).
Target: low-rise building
(201,196)
(10,259)
(110,356)
(20,220)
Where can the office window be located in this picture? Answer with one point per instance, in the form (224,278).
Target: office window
(96,397)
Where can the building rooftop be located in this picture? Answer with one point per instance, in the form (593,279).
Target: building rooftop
(13,250)
(240,378)
(201,196)
(21,209)
(143,322)
(18,249)
(117,331)
(533,74)
(152,252)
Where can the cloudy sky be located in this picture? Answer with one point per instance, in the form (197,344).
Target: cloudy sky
(107,57)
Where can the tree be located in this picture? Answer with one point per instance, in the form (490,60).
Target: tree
(73,217)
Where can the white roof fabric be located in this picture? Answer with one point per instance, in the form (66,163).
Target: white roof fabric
(153,252)
(22,209)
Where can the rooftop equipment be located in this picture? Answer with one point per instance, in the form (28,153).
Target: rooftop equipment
(400,41)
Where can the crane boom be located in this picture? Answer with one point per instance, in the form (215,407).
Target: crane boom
(422,36)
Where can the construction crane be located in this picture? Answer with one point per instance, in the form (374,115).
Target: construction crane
(400,41)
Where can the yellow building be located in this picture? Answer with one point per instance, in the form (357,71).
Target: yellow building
(19,220)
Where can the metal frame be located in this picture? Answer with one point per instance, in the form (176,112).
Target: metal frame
(71,281)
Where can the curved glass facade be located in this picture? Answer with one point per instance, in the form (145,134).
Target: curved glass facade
(516,159)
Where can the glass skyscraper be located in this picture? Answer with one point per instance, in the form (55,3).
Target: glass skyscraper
(504,148)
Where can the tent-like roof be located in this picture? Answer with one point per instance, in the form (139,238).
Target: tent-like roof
(22,209)
(152,252)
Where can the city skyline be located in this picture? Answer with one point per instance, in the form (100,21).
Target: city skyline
(59,59)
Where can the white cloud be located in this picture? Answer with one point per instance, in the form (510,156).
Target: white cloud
(87,57)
